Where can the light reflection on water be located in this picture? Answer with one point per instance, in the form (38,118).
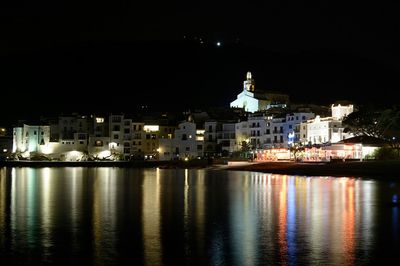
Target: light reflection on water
(118,216)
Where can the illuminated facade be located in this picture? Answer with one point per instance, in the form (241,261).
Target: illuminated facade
(248,99)
(76,138)
(292,126)
(252,100)
(327,129)
(340,111)
(266,131)
(324,130)
(31,139)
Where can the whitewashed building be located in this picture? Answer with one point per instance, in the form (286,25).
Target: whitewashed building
(29,139)
(293,124)
(340,111)
(242,134)
(226,138)
(248,99)
(188,143)
(324,130)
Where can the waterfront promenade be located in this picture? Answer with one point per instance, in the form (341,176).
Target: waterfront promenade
(368,169)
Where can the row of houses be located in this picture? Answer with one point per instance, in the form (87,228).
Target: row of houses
(118,137)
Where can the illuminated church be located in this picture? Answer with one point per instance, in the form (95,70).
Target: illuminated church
(253,101)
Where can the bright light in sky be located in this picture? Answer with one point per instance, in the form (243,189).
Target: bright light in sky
(218,44)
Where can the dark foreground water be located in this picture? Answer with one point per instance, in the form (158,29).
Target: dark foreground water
(112,216)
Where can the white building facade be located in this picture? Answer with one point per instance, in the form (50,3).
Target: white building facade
(188,143)
(248,99)
(327,129)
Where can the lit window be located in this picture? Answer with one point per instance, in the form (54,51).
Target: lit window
(99,120)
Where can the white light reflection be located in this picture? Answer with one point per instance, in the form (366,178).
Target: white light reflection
(151,218)
(244,221)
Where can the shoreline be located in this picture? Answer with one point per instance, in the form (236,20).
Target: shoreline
(122,164)
(366,169)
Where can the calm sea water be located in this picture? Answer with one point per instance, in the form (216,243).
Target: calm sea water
(114,216)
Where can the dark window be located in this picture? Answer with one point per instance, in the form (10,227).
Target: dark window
(116,119)
(140,143)
(199,147)
(127,150)
(209,128)
(147,136)
(187,148)
(126,144)
(81,142)
(127,131)
(134,143)
(134,127)
(34,132)
(268,131)
(42,142)
(140,127)
(116,136)
(41,133)
(281,138)
(275,139)
(304,117)
(116,128)
(184,137)
(210,138)
(290,126)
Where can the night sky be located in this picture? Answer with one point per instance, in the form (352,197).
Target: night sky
(113,56)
